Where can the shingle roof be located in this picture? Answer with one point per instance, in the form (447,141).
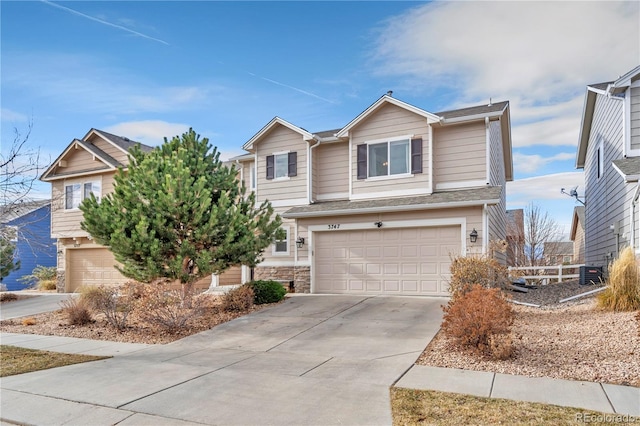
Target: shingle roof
(601,86)
(123,142)
(475,110)
(327,133)
(15,210)
(628,166)
(490,195)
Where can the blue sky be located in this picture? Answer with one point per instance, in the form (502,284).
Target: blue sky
(146,70)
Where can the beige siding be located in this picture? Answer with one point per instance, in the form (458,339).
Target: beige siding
(282,139)
(578,246)
(110,149)
(608,198)
(80,160)
(66,223)
(231,276)
(280,258)
(389,122)
(331,173)
(635,117)
(246,173)
(459,153)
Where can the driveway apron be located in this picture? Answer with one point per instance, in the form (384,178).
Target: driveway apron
(314,360)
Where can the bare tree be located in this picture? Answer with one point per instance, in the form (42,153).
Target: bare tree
(20,168)
(527,238)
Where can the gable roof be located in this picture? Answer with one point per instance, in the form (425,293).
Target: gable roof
(123,144)
(383,100)
(275,121)
(11,212)
(465,197)
(479,111)
(629,168)
(577,220)
(611,88)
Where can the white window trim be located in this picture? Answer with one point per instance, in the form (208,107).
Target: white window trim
(275,154)
(287,229)
(389,177)
(600,160)
(82,183)
(388,142)
(252,176)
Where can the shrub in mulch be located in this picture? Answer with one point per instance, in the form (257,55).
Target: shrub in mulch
(623,286)
(238,300)
(7,297)
(267,291)
(77,311)
(467,271)
(480,319)
(106,300)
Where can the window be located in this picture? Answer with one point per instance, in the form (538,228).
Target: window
(396,157)
(252,176)
(281,246)
(282,165)
(75,193)
(599,160)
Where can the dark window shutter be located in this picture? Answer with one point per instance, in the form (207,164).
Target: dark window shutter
(362,161)
(270,168)
(293,164)
(416,155)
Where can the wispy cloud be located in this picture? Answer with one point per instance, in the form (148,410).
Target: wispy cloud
(546,187)
(524,163)
(8,115)
(304,92)
(539,55)
(102,21)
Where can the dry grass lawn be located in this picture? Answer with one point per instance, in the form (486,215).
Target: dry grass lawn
(418,407)
(14,360)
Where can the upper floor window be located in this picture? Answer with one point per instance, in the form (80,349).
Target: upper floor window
(282,164)
(599,160)
(75,193)
(394,157)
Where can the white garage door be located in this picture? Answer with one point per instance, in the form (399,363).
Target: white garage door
(411,261)
(93,266)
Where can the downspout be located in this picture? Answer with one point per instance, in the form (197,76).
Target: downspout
(310,171)
(485,229)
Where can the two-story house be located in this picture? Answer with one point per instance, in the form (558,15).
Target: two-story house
(609,153)
(380,205)
(86,166)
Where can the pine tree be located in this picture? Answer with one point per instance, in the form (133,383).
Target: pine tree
(8,263)
(179,213)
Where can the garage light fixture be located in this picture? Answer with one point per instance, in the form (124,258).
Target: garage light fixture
(378,224)
(473,236)
(300,242)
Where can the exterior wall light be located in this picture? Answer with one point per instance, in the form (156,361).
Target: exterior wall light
(378,224)
(300,242)
(473,236)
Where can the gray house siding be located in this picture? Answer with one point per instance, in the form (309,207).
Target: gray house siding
(497,215)
(608,198)
(635,117)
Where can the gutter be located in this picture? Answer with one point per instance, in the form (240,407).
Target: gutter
(390,209)
(490,115)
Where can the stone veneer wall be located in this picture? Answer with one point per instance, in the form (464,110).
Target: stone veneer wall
(300,275)
(61,276)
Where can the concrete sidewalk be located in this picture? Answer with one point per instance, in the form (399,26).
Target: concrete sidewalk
(600,397)
(70,345)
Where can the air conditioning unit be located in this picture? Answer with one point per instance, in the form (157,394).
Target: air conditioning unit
(590,275)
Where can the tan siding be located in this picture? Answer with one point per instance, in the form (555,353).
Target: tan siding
(282,139)
(635,117)
(231,276)
(459,153)
(246,173)
(389,122)
(280,258)
(578,246)
(331,173)
(110,149)
(608,198)
(80,160)
(66,223)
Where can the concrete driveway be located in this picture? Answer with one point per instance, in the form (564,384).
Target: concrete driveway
(36,304)
(314,360)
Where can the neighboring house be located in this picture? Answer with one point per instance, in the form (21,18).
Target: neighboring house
(515,237)
(558,252)
(609,153)
(577,234)
(380,205)
(86,166)
(29,225)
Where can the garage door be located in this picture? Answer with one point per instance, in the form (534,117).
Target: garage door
(91,267)
(410,261)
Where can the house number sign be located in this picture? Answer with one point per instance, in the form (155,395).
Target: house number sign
(334,226)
